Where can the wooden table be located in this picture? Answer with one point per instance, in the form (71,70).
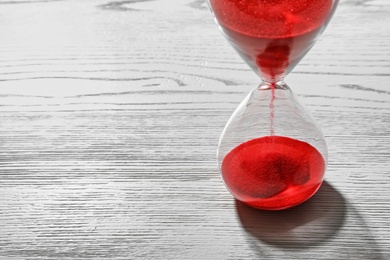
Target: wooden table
(110,117)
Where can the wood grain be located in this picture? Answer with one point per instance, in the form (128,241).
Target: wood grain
(110,116)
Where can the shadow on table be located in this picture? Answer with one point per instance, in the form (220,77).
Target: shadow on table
(324,219)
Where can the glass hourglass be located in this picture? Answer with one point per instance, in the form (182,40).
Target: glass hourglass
(271,154)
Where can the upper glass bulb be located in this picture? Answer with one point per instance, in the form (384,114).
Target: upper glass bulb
(272,36)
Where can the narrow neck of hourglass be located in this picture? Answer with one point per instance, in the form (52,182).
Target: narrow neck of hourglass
(267,79)
(272,85)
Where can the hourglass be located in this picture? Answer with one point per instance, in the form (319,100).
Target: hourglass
(271,154)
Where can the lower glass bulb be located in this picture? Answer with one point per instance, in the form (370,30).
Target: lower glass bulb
(271,154)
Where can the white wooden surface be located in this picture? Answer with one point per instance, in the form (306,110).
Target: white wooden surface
(110,116)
